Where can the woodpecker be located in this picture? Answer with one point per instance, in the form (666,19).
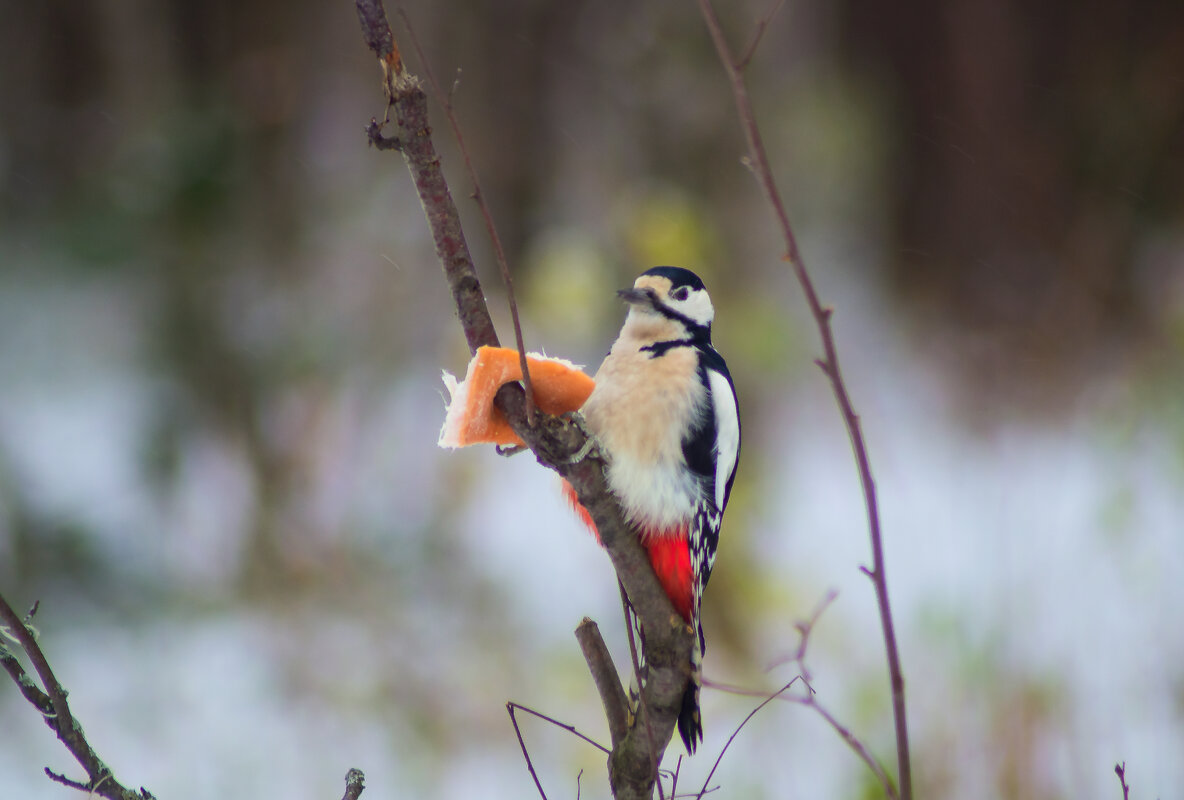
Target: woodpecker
(664,412)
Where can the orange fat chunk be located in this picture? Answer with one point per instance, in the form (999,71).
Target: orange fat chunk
(559,386)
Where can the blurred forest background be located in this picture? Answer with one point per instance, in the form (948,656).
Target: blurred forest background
(222,328)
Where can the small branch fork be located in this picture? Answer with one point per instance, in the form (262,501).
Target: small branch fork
(511,707)
(810,698)
(1120,771)
(554,441)
(55,709)
(829,364)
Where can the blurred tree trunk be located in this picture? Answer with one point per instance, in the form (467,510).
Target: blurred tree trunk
(1039,147)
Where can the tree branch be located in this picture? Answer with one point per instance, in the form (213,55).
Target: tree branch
(499,252)
(569,728)
(511,707)
(606,678)
(759,161)
(762,25)
(55,710)
(525,753)
(355,782)
(554,441)
(1120,771)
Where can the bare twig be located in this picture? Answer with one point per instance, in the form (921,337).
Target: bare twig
(762,25)
(55,710)
(445,101)
(553,440)
(355,782)
(57,777)
(829,364)
(569,728)
(630,635)
(525,753)
(739,728)
(854,743)
(810,697)
(804,629)
(406,105)
(512,706)
(1120,771)
(39,699)
(810,700)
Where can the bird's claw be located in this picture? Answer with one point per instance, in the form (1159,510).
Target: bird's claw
(575,419)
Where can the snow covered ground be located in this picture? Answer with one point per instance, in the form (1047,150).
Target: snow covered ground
(1050,555)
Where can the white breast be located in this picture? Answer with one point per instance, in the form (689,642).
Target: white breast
(638,411)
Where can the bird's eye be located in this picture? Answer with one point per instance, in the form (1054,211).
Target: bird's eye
(680,293)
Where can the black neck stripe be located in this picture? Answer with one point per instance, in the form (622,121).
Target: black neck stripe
(700,339)
(670,313)
(700,333)
(658,349)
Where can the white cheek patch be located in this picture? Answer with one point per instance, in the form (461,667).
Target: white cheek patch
(727,433)
(698,307)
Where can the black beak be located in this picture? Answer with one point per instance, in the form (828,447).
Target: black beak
(637,297)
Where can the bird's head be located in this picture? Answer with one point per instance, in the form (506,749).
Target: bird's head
(670,295)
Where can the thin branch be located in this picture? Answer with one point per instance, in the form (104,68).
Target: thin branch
(854,743)
(355,782)
(762,25)
(569,728)
(55,710)
(1120,771)
(630,635)
(39,699)
(57,777)
(810,698)
(377,33)
(445,101)
(830,366)
(525,753)
(804,630)
(407,107)
(739,728)
(18,628)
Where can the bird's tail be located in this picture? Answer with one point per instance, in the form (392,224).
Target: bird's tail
(690,721)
